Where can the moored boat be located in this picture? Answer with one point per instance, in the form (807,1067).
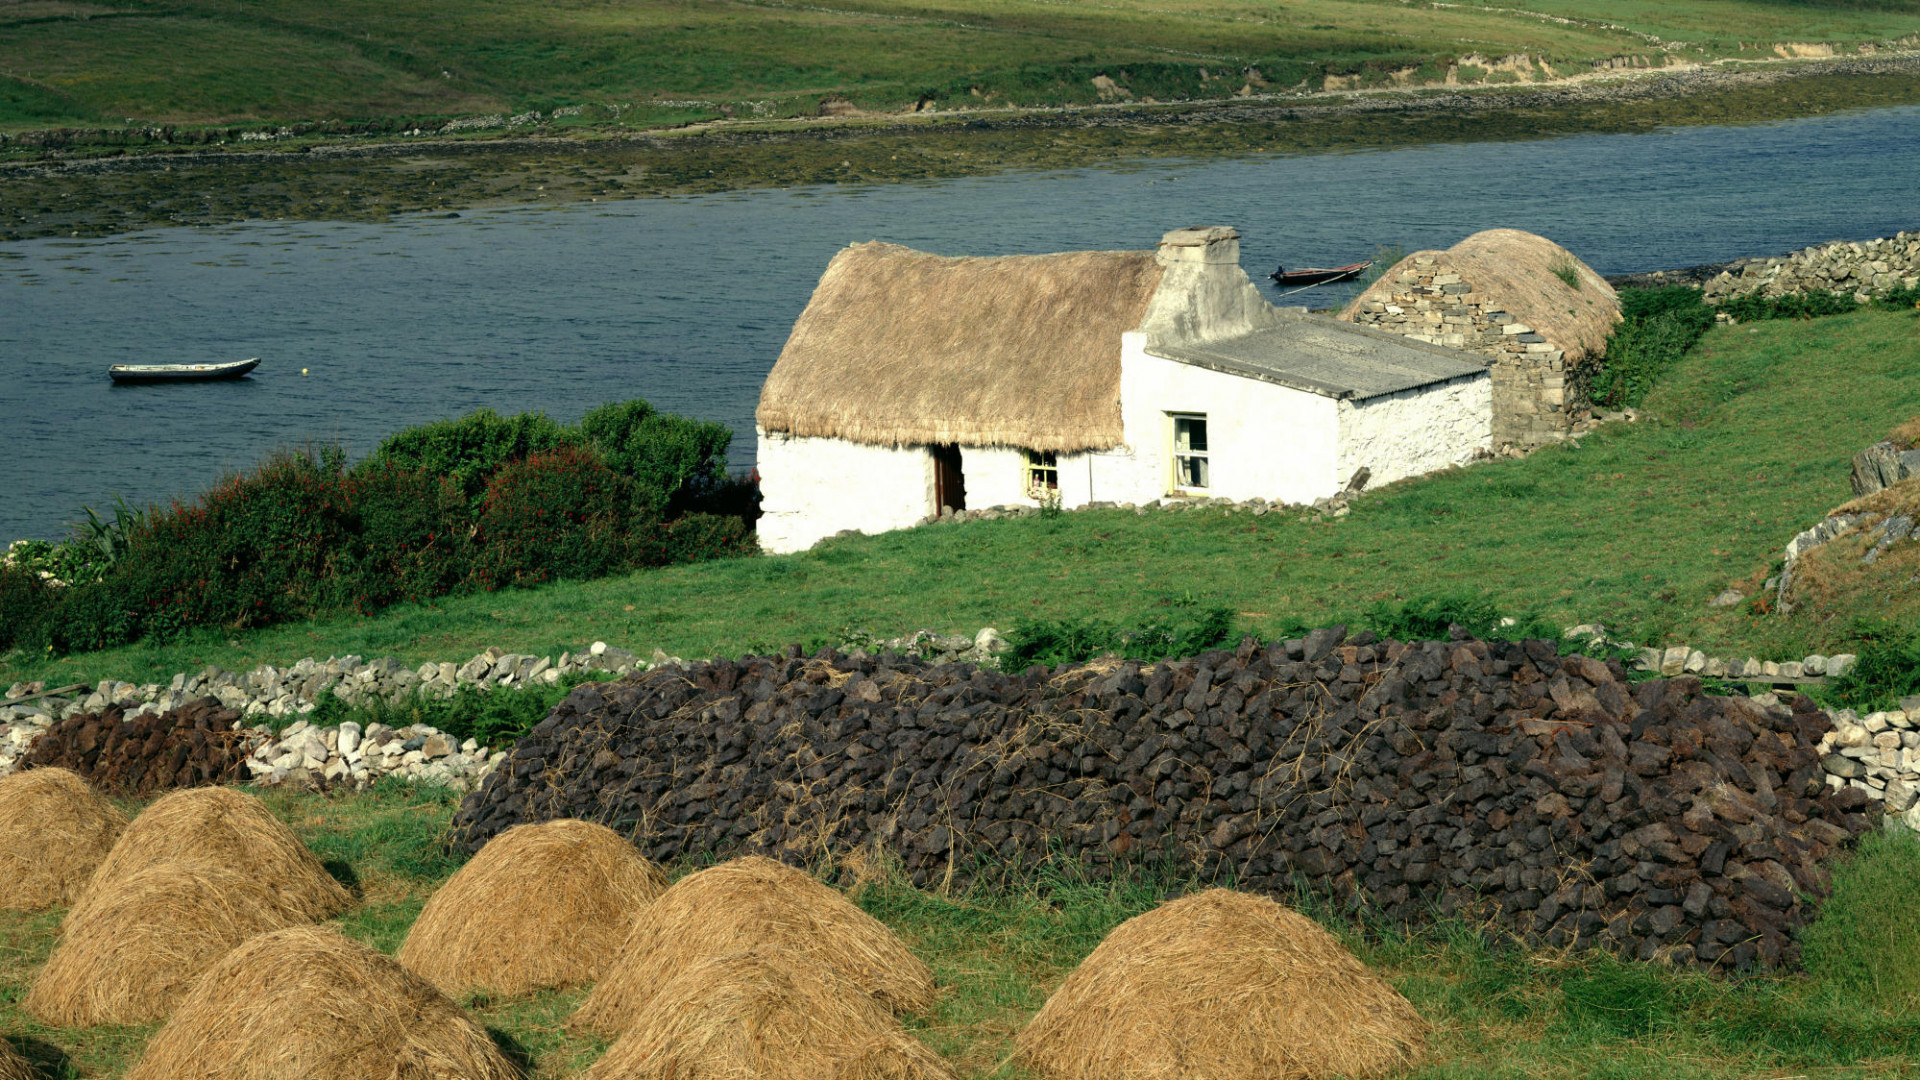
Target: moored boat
(1319,275)
(146,373)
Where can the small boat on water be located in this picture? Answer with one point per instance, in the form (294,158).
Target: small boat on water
(1318,275)
(147,373)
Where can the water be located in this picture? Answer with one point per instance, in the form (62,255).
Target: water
(687,301)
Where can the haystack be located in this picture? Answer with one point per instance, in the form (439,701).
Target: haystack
(13,1066)
(223,829)
(1520,273)
(770,1017)
(540,906)
(133,951)
(307,1003)
(1221,986)
(54,830)
(758,904)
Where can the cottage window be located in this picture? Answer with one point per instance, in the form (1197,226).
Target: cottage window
(1190,472)
(1043,475)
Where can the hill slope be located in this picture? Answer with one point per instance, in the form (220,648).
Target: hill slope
(220,61)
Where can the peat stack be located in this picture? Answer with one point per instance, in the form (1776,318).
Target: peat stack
(200,743)
(1495,779)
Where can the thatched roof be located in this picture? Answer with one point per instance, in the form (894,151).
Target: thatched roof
(899,347)
(1514,271)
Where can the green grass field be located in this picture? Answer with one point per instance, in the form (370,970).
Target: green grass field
(76,62)
(1637,527)
(1496,1011)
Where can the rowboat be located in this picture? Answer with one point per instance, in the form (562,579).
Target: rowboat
(145,373)
(1316,275)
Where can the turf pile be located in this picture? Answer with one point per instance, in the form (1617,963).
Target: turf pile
(752,904)
(1219,986)
(199,743)
(54,830)
(308,1003)
(541,906)
(1495,779)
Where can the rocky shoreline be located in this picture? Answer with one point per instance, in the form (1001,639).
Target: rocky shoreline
(94,183)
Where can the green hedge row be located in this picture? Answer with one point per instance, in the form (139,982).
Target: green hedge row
(474,504)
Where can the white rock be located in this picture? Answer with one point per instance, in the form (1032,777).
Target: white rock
(1837,665)
(1852,735)
(1814,665)
(349,739)
(597,648)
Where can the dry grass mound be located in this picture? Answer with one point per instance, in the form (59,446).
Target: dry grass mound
(1907,435)
(768,1017)
(54,830)
(540,906)
(752,904)
(13,1066)
(1221,986)
(219,828)
(133,951)
(307,1004)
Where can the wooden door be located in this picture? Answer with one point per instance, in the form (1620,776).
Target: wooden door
(949,483)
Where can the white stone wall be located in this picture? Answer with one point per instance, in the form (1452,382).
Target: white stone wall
(1415,432)
(1264,440)
(811,488)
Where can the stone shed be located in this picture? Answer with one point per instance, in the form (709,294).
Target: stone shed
(1502,293)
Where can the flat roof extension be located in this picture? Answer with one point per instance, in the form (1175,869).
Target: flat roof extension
(1328,357)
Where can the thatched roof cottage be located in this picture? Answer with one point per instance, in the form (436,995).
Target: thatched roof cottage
(916,382)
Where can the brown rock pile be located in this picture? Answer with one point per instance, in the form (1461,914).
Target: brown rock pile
(199,743)
(1492,779)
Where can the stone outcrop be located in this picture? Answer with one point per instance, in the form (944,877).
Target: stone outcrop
(1498,781)
(1883,465)
(1501,294)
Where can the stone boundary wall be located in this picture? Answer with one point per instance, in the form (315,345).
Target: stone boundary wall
(1496,781)
(1532,404)
(1859,268)
(296,690)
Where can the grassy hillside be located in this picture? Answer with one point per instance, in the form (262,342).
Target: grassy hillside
(1496,1012)
(1638,526)
(221,61)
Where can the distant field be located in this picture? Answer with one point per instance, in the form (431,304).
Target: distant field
(1638,528)
(64,62)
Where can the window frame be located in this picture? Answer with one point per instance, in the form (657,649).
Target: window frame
(1176,457)
(1036,468)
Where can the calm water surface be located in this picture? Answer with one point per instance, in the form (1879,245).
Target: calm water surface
(686,301)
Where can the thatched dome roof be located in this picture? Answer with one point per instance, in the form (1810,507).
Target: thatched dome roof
(900,347)
(1514,271)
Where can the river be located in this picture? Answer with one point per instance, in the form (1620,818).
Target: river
(368,328)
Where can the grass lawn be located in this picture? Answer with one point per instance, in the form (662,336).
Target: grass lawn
(1496,1011)
(1637,527)
(219,61)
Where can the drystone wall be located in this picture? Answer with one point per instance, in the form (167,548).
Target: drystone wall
(1496,780)
(1860,268)
(1532,402)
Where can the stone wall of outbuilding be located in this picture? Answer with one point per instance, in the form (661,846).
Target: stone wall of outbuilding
(1431,302)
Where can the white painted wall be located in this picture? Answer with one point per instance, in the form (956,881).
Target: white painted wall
(1265,440)
(1415,432)
(995,476)
(811,488)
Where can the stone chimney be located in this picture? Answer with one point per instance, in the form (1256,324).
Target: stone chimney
(1200,244)
(1203,295)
